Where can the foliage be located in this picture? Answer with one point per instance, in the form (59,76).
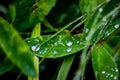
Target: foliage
(91,34)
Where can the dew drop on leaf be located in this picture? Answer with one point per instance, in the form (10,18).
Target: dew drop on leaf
(87,38)
(35,47)
(107,75)
(78,42)
(86,30)
(69,49)
(116,69)
(69,43)
(100,9)
(103,72)
(111,75)
(54,52)
(116,26)
(115,78)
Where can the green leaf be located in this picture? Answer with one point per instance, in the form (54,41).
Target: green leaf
(103,24)
(62,75)
(104,66)
(60,45)
(29,13)
(15,48)
(11,13)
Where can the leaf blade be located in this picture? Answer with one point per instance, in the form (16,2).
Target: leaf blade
(15,48)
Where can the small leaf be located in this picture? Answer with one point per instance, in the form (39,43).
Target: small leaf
(15,48)
(104,66)
(12,13)
(62,75)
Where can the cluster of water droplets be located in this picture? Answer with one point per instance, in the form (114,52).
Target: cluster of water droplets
(112,75)
(43,51)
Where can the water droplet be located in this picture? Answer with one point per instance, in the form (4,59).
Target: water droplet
(41,52)
(116,26)
(69,49)
(35,47)
(55,44)
(111,75)
(100,9)
(60,36)
(86,30)
(69,43)
(104,19)
(107,75)
(36,40)
(103,72)
(116,69)
(78,42)
(107,33)
(115,78)
(54,52)
(87,38)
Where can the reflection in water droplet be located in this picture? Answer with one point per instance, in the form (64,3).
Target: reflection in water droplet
(69,49)
(35,47)
(100,9)
(69,43)
(103,72)
(116,26)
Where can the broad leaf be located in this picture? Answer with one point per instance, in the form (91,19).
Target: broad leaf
(104,66)
(15,48)
(61,45)
(30,12)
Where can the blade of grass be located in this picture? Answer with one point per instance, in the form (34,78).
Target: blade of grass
(62,75)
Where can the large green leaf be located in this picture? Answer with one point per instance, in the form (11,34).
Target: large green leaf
(15,48)
(30,12)
(104,66)
(60,45)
